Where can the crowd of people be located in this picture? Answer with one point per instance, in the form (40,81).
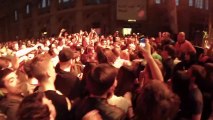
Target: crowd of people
(86,76)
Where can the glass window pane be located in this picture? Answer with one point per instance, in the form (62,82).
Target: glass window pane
(190,2)
(65,0)
(177,2)
(27,9)
(43,4)
(16,15)
(201,4)
(157,1)
(207,4)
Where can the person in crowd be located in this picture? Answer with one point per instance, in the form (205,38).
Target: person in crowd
(42,69)
(185,84)
(208,92)
(67,80)
(168,54)
(36,107)
(100,84)
(183,46)
(54,55)
(152,69)
(156,101)
(12,87)
(85,56)
(166,39)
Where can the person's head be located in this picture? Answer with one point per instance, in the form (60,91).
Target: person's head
(66,55)
(168,51)
(181,37)
(101,80)
(10,81)
(5,62)
(209,76)
(16,46)
(197,75)
(53,52)
(166,35)
(41,68)
(36,107)
(105,55)
(156,101)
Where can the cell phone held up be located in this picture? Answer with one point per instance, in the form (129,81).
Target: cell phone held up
(142,41)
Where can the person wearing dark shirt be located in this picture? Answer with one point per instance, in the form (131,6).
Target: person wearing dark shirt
(66,81)
(42,69)
(100,84)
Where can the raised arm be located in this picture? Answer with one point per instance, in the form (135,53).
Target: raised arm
(155,70)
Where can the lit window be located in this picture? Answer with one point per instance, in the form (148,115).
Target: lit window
(27,9)
(207,4)
(45,3)
(63,1)
(191,3)
(16,15)
(199,4)
(157,1)
(177,2)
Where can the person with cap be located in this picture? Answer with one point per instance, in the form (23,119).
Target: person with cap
(67,80)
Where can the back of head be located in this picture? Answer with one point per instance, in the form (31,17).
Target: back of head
(105,55)
(38,67)
(100,79)
(171,51)
(199,73)
(67,54)
(180,83)
(32,108)
(209,76)
(156,101)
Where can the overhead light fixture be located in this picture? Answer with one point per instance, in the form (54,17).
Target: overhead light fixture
(131,20)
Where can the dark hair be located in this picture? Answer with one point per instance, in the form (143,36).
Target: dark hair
(101,78)
(4,62)
(106,56)
(65,55)
(32,108)
(171,50)
(4,73)
(209,77)
(199,73)
(156,102)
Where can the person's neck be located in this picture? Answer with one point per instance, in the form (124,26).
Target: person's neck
(181,42)
(64,65)
(48,86)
